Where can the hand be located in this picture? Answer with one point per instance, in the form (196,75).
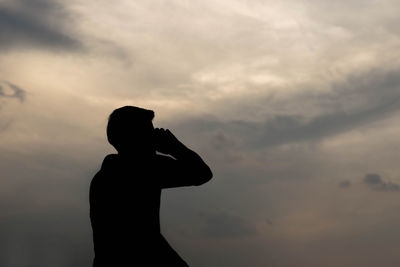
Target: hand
(165,141)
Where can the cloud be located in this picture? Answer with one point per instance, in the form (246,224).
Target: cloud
(9,90)
(224,225)
(38,23)
(260,81)
(375,182)
(352,102)
(345,184)
(358,100)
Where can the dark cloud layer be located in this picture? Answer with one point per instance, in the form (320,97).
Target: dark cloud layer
(375,182)
(39,24)
(357,100)
(375,95)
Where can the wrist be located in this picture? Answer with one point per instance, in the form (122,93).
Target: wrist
(178,149)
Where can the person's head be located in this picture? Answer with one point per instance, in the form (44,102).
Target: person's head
(130,130)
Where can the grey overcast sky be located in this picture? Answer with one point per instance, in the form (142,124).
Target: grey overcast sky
(294,104)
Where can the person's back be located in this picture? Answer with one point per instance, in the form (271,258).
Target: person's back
(125,195)
(125,201)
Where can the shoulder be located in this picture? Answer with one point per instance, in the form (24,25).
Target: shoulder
(109,163)
(97,180)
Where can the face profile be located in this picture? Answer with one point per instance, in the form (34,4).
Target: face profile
(130,130)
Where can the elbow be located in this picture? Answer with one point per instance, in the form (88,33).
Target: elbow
(205,176)
(208,175)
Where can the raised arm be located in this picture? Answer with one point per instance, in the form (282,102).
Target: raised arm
(187,168)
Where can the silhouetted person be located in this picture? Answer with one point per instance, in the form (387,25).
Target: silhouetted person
(125,193)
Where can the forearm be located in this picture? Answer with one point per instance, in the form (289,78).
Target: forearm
(193,162)
(190,164)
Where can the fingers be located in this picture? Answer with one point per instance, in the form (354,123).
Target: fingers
(159,129)
(162,135)
(160,132)
(165,133)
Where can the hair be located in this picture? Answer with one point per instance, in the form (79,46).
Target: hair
(127,118)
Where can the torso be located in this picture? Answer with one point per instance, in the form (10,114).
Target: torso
(124,208)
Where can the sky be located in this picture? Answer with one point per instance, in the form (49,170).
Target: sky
(293,104)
